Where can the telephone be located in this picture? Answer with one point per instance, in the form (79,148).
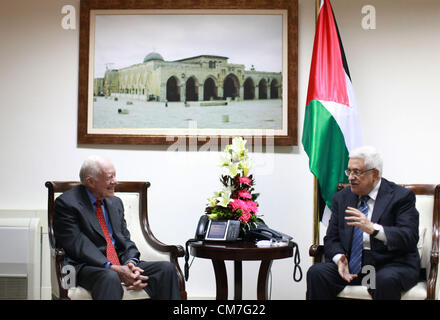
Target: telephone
(217,230)
(228,230)
(212,230)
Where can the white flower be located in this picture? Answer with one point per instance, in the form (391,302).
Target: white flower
(238,149)
(235,158)
(233,170)
(224,197)
(225,159)
(245,165)
(212,202)
(238,144)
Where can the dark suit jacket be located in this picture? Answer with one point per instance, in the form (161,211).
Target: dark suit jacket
(78,232)
(395,210)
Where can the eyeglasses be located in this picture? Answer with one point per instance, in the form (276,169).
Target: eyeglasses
(356,172)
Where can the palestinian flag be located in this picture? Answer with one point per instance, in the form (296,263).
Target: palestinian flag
(331,122)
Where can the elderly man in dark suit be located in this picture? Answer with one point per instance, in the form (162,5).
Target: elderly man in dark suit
(89,225)
(374,222)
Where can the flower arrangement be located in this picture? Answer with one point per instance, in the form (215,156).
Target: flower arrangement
(237,200)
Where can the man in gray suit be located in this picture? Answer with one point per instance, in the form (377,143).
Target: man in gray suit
(374,222)
(89,225)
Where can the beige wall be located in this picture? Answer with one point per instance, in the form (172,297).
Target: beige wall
(394,69)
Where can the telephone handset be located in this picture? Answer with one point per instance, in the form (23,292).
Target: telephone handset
(263,232)
(202,226)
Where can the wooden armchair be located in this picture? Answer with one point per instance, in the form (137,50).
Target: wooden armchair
(134,198)
(427,203)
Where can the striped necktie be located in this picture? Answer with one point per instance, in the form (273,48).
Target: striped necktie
(112,256)
(357,244)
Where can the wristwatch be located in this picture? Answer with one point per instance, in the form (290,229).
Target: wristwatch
(376,229)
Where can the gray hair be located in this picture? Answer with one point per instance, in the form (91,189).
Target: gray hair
(91,167)
(372,158)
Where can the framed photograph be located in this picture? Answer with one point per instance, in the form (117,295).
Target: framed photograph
(152,72)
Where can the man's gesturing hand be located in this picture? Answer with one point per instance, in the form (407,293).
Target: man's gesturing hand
(343,269)
(358,219)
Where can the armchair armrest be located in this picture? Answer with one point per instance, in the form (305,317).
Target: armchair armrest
(173,250)
(57,263)
(317,252)
(432,279)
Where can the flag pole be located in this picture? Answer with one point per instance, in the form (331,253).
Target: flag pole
(315,181)
(315,212)
(317,6)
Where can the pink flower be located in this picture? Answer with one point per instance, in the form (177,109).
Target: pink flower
(239,204)
(245,217)
(244,194)
(247,209)
(252,206)
(245,180)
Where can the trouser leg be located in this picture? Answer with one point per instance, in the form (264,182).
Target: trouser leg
(103,284)
(162,280)
(392,280)
(324,281)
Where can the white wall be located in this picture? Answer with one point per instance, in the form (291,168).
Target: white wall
(394,70)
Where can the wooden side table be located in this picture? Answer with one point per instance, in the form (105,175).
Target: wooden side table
(239,251)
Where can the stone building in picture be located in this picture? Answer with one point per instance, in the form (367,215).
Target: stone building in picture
(200,78)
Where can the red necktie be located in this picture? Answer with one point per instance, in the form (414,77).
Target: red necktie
(112,256)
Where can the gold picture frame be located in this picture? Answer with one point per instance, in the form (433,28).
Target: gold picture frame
(110,92)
